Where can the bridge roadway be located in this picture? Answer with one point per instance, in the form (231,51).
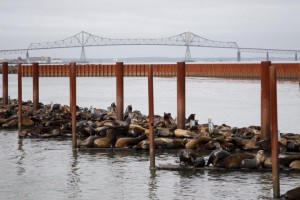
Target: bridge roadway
(187,39)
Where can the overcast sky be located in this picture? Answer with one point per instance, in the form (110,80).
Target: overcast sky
(256,23)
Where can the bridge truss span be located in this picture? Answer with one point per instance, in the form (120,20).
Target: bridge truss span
(187,39)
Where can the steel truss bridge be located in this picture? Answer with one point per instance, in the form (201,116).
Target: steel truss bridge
(187,39)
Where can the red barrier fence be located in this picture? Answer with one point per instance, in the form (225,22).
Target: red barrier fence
(232,70)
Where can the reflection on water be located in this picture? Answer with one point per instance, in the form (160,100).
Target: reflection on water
(152,183)
(31,169)
(20,167)
(74,177)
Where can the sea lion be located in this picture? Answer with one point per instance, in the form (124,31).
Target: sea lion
(162,143)
(197,142)
(52,133)
(293,194)
(295,164)
(168,120)
(107,141)
(164,132)
(199,162)
(129,141)
(88,142)
(27,122)
(234,161)
(137,129)
(217,155)
(169,143)
(255,163)
(142,145)
(187,157)
(244,144)
(180,133)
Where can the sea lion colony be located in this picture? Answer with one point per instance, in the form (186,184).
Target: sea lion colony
(99,128)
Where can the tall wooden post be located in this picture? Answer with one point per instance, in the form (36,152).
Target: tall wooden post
(274,132)
(265,100)
(70,82)
(20,97)
(5,82)
(119,89)
(73,100)
(181,95)
(35,78)
(151,118)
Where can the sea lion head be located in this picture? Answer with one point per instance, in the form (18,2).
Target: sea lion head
(260,156)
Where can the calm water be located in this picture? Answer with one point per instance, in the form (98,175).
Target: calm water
(49,169)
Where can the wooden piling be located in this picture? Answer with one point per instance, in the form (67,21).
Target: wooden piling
(119,70)
(20,97)
(5,83)
(73,104)
(151,118)
(274,132)
(181,95)
(265,100)
(299,75)
(70,83)
(35,84)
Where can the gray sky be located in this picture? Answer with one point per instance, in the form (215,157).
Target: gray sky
(256,23)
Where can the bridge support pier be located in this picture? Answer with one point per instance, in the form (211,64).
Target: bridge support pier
(82,55)
(239,56)
(296,57)
(188,57)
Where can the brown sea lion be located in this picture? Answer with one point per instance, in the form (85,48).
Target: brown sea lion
(168,120)
(164,132)
(197,142)
(27,122)
(163,143)
(295,164)
(234,161)
(142,145)
(180,133)
(139,129)
(52,133)
(244,144)
(255,163)
(284,161)
(293,194)
(88,142)
(129,141)
(107,141)
(169,143)
(217,155)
